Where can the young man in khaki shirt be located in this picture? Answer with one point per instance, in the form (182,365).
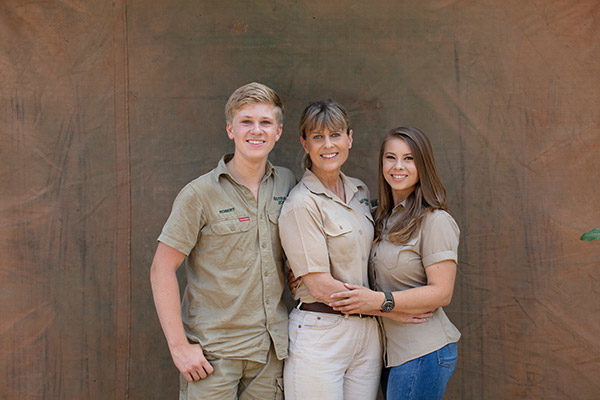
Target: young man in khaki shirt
(228,337)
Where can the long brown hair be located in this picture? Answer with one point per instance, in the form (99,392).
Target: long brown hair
(429,193)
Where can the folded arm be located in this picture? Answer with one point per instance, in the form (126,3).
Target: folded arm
(321,285)
(437,293)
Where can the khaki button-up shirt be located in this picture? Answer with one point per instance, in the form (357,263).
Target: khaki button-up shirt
(321,233)
(232,304)
(401,267)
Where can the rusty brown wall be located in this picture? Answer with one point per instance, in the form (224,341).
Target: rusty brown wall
(107,108)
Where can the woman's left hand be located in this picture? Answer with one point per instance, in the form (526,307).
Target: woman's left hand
(357,300)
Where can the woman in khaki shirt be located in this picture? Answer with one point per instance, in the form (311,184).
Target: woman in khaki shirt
(413,262)
(326,231)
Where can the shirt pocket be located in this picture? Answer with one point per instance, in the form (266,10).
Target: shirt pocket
(230,241)
(341,241)
(394,257)
(336,229)
(230,226)
(273,213)
(408,268)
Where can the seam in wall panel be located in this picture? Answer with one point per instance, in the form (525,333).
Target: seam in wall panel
(123,192)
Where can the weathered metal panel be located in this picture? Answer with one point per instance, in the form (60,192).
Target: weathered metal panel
(108,108)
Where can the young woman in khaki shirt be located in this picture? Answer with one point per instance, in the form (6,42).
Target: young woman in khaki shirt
(413,265)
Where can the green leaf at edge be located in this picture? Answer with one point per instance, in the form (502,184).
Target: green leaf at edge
(591,235)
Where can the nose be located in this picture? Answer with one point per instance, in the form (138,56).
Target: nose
(399,164)
(327,141)
(256,127)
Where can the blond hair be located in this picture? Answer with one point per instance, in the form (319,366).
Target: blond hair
(253,93)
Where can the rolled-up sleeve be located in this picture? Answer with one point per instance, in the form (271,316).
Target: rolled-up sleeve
(303,238)
(182,229)
(440,237)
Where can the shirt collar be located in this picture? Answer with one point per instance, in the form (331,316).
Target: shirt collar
(395,214)
(312,183)
(223,170)
(399,206)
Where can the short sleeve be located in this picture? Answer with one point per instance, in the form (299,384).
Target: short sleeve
(182,229)
(439,238)
(303,238)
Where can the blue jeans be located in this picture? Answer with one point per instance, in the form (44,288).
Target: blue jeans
(422,378)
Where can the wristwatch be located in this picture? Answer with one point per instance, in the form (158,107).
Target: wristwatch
(388,304)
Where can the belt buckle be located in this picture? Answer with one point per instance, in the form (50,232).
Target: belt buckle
(356,315)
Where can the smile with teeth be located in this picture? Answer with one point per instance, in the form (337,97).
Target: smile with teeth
(399,177)
(329,155)
(255,141)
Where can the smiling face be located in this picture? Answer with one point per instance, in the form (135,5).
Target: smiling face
(254,130)
(328,150)
(399,169)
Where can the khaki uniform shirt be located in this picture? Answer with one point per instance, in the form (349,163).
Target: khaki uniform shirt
(400,267)
(232,304)
(321,233)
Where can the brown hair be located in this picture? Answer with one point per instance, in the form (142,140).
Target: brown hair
(429,193)
(321,115)
(253,93)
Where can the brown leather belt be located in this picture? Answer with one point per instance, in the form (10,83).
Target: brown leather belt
(324,308)
(319,307)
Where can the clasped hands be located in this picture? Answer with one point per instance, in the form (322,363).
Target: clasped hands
(362,300)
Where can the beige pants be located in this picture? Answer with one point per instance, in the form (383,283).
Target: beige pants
(237,379)
(332,357)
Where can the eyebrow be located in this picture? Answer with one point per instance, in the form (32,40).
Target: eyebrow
(322,131)
(251,117)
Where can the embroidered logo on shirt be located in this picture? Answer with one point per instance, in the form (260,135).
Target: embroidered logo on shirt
(244,219)
(364,201)
(279,199)
(226,210)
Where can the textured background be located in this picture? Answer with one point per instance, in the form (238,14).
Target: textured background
(107,108)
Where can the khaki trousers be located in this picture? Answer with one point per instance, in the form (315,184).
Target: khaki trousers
(332,357)
(237,379)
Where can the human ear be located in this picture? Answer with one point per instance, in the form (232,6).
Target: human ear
(304,145)
(229,132)
(279,131)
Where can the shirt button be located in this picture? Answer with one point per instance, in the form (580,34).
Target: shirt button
(264,245)
(266,273)
(267,301)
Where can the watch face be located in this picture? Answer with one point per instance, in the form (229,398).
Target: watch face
(387,306)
